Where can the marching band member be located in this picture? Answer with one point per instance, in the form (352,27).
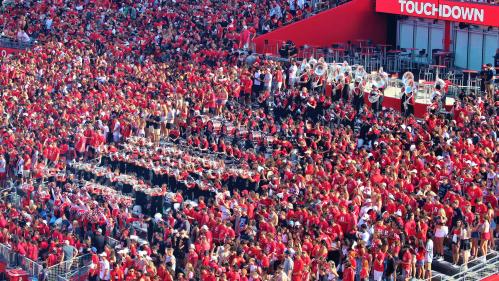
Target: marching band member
(318,83)
(358,95)
(305,79)
(408,102)
(293,69)
(375,99)
(345,91)
(436,99)
(338,89)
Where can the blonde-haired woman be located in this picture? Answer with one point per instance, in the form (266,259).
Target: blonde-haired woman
(189,271)
(441,231)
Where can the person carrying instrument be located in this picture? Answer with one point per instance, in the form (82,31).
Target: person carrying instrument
(408,102)
(345,91)
(358,95)
(375,99)
(338,89)
(305,79)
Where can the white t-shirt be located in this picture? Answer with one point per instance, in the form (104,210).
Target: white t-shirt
(292,71)
(429,251)
(441,231)
(2,165)
(105,272)
(267,81)
(256,80)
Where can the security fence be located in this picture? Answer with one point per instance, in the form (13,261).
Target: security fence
(15,260)
(68,268)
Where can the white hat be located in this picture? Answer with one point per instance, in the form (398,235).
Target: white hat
(398,213)
(391,196)
(205,227)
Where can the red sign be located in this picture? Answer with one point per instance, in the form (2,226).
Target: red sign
(6,51)
(474,13)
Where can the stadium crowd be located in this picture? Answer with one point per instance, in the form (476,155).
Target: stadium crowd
(333,190)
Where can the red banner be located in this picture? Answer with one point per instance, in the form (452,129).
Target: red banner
(6,51)
(474,13)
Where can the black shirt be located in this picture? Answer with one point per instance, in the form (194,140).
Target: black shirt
(99,242)
(489,75)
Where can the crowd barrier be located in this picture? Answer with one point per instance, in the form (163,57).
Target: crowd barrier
(6,42)
(71,268)
(80,274)
(11,259)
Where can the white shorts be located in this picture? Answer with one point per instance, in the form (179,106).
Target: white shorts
(378,275)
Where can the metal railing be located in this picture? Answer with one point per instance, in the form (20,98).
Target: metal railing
(68,268)
(80,274)
(7,42)
(112,242)
(15,260)
(482,269)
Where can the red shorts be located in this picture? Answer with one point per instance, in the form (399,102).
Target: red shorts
(486,236)
(2,175)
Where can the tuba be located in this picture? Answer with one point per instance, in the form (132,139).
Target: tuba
(304,65)
(340,78)
(378,80)
(332,71)
(320,69)
(407,77)
(345,67)
(437,93)
(360,73)
(312,62)
(374,96)
(440,83)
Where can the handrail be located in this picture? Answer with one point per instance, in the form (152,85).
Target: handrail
(464,272)
(7,42)
(15,259)
(67,267)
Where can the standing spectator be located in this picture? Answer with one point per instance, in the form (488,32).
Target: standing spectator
(99,241)
(104,268)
